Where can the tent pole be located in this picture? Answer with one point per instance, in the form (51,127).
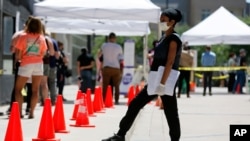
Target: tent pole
(145,53)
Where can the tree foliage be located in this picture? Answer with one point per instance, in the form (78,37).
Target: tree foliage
(222,51)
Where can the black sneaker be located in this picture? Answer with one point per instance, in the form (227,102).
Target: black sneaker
(115,138)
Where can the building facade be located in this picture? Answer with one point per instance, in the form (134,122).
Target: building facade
(200,9)
(195,11)
(13,13)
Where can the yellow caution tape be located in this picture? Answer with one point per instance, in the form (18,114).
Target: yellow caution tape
(212,68)
(214,77)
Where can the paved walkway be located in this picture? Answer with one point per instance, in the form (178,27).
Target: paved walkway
(202,119)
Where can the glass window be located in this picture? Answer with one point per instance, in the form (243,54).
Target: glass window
(8,27)
(205,13)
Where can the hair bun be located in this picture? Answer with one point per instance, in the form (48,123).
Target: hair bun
(178,16)
(173,14)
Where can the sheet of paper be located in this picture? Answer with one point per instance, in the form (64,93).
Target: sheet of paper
(154,79)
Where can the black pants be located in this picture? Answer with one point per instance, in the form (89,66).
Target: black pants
(184,75)
(207,79)
(231,81)
(170,110)
(60,81)
(13,90)
(29,95)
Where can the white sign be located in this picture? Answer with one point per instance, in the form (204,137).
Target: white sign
(129,62)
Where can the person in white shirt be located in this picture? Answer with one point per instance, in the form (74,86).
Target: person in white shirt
(112,58)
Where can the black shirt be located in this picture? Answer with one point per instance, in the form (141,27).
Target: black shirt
(85,60)
(242,61)
(161,52)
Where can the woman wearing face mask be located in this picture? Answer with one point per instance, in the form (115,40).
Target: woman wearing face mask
(167,54)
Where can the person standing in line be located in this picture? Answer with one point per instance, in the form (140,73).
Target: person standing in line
(167,54)
(61,67)
(185,61)
(208,59)
(241,74)
(44,89)
(98,67)
(85,65)
(111,71)
(28,97)
(16,64)
(30,49)
(231,73)
(52,72)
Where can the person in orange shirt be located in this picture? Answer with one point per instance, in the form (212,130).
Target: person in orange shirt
(30,49)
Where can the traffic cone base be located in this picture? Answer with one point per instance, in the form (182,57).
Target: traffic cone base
(46,140)
(74,125)
(92,115)
(62,131)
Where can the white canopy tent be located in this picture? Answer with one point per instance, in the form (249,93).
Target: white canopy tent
(221,27)
(139,10)
(125,11)
(98,27)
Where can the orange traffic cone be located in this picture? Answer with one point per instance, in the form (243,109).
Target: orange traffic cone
(131,94)
(109,98)
(14,129)
(46,129)
(79,94)
(97,103)
(82,119)
(89,103)
(58,118)
(137,90)
(101,98)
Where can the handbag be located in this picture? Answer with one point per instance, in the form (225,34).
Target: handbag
(68,72)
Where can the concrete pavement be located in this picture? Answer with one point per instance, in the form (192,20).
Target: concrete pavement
(203,118)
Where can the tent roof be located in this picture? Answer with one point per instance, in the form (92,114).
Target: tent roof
(98,27)
(143,10)
(220,27)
